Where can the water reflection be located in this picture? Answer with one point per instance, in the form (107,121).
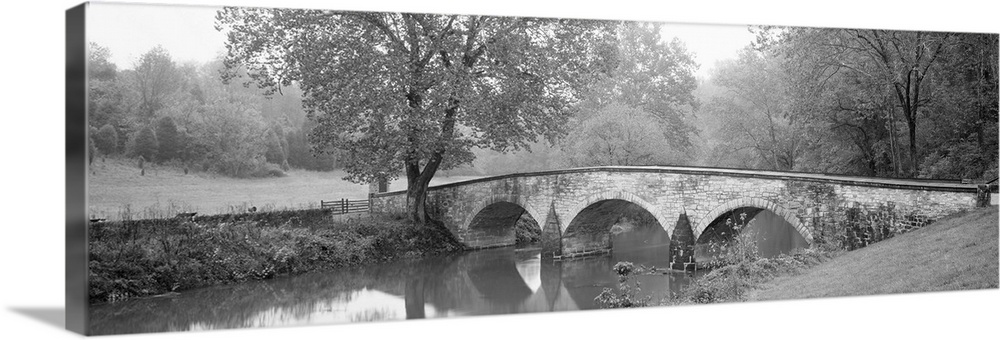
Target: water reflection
(497,281)
(771,233)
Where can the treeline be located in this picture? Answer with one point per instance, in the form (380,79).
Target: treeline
(183,114)
(859,102)
(864,102)
(638,112)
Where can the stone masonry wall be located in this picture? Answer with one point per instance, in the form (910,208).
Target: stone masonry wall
(818,209)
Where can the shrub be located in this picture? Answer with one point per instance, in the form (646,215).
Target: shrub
(146,145)
(274,154)
(170,142)
(269,170)
(629,288)
(132,258)
(526,230)
(731,281)
(106,139)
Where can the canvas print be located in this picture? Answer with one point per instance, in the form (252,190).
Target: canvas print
(260,167)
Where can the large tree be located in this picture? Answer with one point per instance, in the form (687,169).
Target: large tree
(897,62)
(413,93)
(650,74)
(760,128)
(620,135)
(155,77)
(105,99)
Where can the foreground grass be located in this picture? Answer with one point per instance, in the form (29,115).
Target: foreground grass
(166,190)
(955,253)
(150,257)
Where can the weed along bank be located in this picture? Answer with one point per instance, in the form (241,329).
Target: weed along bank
(142,258)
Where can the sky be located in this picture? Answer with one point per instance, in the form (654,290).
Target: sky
(188,33)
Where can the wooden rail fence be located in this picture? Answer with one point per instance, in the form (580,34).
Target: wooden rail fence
(345,206)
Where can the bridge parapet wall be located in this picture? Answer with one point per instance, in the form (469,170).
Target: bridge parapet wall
(817,207)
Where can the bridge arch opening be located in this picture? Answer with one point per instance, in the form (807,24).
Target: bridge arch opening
(610,224)
(770,233)
(501,224)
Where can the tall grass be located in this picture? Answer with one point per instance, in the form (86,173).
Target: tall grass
(736,268)
(629,293)
(133,258)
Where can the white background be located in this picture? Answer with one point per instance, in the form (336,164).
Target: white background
(32,238)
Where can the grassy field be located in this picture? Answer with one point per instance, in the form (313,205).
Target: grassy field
(954,253)
(116,183)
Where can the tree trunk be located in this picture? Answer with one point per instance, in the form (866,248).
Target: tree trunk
(912,125)
(416,198)
(416,189)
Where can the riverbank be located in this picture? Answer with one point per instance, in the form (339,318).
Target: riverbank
(137,258)
(955,253)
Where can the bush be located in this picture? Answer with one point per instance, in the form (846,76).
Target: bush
(731,282)
(269,170)
(146,145)
(274,154)
(106,140)
(629,288)
(170,143)
(526,230)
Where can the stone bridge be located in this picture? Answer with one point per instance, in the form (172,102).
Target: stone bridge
(577,208)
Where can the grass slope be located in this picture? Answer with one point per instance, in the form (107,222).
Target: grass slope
(164,190)
(955,253)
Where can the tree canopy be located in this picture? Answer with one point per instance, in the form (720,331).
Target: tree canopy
(865,102)
(414,93)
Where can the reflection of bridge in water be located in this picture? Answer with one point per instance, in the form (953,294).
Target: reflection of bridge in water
(494,281)
(491,282)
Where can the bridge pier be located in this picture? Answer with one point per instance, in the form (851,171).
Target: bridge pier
(682,245)
(551,238)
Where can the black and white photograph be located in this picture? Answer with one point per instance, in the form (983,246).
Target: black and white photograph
(249,166)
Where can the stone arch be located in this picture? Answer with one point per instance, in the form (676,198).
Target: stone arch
(624,196)
(494,199)
(703,222)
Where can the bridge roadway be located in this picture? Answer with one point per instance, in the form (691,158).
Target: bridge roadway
(576,208)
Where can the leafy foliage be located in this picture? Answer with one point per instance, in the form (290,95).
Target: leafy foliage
(105,96)
(233,132)
(865,102)
(758,127)
(629,288)
(275,152)
(106,140)
(146,145)
(731,282)
(651,75)
(413,93)
(155,77)
(171,142)
(134,258)
(620,135)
